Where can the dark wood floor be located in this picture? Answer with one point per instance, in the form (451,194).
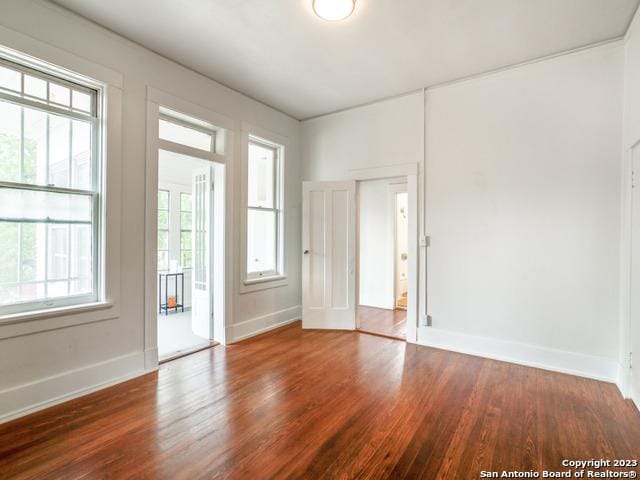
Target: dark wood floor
(391,323)
(320,405)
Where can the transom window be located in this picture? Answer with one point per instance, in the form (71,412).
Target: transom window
(264,210)
(50,195)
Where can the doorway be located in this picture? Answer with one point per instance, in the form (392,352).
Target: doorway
(331,253)
(383,254)
(185,300)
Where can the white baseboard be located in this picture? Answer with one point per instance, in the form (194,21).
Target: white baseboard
(30,397)
(635,397)
(589,366)
(151,359)
(255,326)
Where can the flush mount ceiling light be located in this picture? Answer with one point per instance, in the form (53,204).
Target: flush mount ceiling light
(334,10)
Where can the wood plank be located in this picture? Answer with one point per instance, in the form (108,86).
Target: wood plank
(317,404)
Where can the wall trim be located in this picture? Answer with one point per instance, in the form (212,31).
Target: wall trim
(31,397)
(255,326)
(589,366)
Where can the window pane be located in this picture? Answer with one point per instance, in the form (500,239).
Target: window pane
(58,265)
(57,289)
(261,176)
(163,240)
(81,155)
(81,256)
(163,260)
(185,202)
(36,87)
(9,79)
(81,101)
(43,261)
(184,135)
(9,252)
(185,240)
(59,150)
(9,142)
(34,168)
(163,219)
(185,220)
(261,241)
(163,200)
(44,206)
(186,259)
(59,94)
(33,252)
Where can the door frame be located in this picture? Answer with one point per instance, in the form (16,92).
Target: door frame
(394,190)
(408,172)
(222,199)
(631,188)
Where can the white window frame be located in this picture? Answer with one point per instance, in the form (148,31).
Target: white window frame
(94,118)
(276,278)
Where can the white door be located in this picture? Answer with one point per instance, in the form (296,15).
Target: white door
(201,311)
(635,277)
(329,255)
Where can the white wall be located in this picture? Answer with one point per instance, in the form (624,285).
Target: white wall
(376,245)
(522,204)
(34,368)
(523,189)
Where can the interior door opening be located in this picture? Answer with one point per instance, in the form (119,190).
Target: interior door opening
(383,253)
(185,234)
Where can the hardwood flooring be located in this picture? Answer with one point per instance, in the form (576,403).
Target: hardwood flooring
(321,405)
(390,323)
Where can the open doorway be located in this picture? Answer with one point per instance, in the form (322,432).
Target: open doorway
(185,300)
(383,250)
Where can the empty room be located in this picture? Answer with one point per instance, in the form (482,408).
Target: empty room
(319,239)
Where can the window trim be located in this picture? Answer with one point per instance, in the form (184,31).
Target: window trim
(278,277)
(95,118)
(45,57)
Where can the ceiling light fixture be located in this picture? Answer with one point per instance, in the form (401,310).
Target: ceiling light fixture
(334,10)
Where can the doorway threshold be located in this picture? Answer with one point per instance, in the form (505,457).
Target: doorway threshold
(383,335)
(184,353)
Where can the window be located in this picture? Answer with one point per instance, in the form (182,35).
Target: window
(264,214)
(50,196)
(181,129)
(163,230)
(185,229)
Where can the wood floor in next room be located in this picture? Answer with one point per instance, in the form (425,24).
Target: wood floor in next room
(320,405)
(391,323)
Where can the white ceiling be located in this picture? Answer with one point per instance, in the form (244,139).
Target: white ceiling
(279,52)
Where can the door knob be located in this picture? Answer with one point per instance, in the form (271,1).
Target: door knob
(306,252)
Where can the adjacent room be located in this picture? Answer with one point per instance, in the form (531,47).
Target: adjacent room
(383,257)
(319,239)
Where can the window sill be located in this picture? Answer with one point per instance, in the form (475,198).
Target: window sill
(254,284)
(53,312)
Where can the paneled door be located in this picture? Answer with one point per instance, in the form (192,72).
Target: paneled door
(201,314)
(329,255)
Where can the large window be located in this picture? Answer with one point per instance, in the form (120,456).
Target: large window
(264,214)
(50,200)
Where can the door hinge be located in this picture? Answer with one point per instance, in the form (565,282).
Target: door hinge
(630,359)
(633,179)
